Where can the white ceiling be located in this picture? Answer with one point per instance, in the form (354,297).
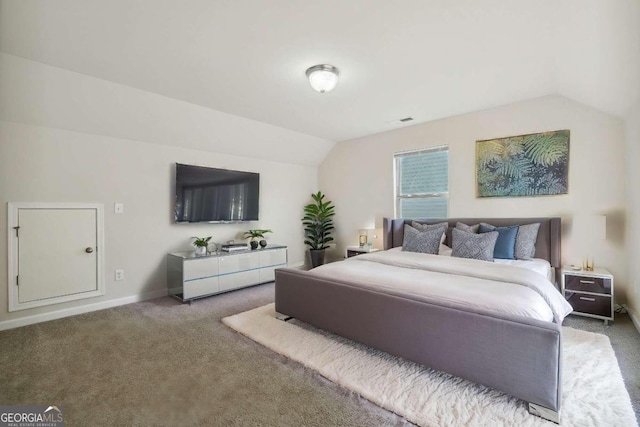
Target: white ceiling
(426,59)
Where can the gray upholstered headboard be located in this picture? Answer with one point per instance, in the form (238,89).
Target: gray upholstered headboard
(547,245)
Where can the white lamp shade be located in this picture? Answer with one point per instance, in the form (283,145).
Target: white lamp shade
(323,78)
(600,227)
(374,233)
(594,227)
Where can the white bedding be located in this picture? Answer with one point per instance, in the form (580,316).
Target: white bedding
(501,288)
(539,265)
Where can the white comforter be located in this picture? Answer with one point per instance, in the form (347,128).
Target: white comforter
(466,282)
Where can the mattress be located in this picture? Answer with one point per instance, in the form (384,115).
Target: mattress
(538,265)
(501,288)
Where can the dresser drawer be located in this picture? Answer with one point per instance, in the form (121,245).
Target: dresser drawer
(200,268)
(590,304)
(200,287)
(238,263)
(596,285)
(239,280)
(273,258)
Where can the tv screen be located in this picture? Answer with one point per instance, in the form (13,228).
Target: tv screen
(215,195)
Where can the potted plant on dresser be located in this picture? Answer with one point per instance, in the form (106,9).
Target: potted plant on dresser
(254,235)
(318,224)
(201,244)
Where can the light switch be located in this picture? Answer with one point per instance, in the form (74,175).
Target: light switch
(118,208)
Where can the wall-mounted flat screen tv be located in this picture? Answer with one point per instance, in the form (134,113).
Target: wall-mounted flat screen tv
(215,195)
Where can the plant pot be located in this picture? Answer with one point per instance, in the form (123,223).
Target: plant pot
(317,257)
(263,243)
(254,244)
(201,250)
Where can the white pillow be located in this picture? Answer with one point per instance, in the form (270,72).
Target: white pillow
(445,250)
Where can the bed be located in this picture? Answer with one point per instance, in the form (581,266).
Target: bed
(515,352)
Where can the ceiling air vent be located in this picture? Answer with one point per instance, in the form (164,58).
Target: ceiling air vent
(406,119)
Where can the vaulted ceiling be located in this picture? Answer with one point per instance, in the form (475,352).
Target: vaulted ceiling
(426,59)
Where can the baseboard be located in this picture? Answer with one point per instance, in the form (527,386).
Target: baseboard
(634,319)
(66,312)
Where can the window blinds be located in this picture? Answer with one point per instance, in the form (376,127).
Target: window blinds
(422,183)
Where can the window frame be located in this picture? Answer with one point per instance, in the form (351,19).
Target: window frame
(396,174)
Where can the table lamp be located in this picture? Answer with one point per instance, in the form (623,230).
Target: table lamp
(593,231)
(363,237)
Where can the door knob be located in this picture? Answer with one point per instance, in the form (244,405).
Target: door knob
(89,250)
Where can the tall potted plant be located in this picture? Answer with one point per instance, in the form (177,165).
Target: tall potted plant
(318,224)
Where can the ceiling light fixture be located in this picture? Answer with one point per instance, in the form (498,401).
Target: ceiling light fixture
(323,78)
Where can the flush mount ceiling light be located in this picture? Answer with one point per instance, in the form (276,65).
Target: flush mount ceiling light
(323,77)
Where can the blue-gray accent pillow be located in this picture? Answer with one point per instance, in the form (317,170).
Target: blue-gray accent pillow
(426,242)
(468,228)
(506,244)
(475,246)
(429,227)
(526,241)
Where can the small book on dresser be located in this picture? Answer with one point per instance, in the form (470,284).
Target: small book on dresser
(234,247)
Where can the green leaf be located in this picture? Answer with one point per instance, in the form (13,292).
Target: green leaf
(201,241)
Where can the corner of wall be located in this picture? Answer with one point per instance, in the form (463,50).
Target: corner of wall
(634,319)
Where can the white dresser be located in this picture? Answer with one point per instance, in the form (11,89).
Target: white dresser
(190,277)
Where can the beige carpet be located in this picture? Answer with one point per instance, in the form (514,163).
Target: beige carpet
(593,390)
(163,363)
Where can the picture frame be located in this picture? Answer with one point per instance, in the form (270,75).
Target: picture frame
(529,165)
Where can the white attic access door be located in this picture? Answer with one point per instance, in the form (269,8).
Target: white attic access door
(56,253)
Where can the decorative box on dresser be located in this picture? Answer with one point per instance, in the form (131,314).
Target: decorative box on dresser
(590,293)
(190,277)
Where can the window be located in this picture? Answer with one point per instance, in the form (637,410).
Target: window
(422,183)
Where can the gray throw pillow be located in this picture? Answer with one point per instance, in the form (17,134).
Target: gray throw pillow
(476,246)
(468,228)
(526,241)
(526,238)
(426,242)
(429,227)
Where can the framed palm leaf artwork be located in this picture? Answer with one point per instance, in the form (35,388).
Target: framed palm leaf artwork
(526,165)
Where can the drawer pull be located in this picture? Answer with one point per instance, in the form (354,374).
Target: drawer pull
(588,282)
(587,299)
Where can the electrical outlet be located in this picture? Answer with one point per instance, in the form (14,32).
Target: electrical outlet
(118,208)
(119,275)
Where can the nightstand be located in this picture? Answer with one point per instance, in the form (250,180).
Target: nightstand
(357,250)
(590,293)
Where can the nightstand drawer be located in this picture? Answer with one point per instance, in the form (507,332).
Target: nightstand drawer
(596,285)
(590,304)
(357,250)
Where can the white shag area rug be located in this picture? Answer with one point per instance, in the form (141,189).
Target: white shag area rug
(593,390)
